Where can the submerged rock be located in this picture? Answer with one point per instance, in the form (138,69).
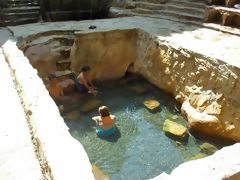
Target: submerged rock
(197,156)
(151,104)
(138,89)
(208,148)
(174,129)
(90,105)
(174,117)
(73,115)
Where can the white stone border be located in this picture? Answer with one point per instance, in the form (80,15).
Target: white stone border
(64,155)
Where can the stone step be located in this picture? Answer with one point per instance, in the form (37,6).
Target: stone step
(15,16)
(150,6)
(63,65)
(171,18)
(24,4)
(192,10)
(225,29)
(171,7)
(187,4)
(19,21)
(185,16)
(21,9)
(223,15)
(21,1)
(152,1)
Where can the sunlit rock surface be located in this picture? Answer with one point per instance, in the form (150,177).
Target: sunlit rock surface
(151,104)
(108,54)
(174,128)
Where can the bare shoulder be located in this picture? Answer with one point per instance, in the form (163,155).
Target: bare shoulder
(112,116)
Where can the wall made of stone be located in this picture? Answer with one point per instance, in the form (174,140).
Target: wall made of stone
(209,87)
(108,53)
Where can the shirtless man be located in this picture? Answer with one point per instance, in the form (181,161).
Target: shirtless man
(55,91)
(83,83)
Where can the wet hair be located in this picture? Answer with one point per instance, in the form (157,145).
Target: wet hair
(85,68)
(51,76)
(103,110)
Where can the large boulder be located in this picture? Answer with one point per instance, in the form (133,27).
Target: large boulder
(201,121)
(109,54)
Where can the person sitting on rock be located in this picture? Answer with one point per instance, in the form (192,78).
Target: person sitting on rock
(55,91)
(83,82)
(105,122)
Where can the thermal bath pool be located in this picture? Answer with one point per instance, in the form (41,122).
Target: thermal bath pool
(140,150)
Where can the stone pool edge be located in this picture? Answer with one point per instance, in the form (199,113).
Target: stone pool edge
(60,155)
(221,165)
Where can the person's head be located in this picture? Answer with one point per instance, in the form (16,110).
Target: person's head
(103,110)
(52,79)
(86,69)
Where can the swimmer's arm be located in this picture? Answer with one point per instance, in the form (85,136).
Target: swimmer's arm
(90,82)
(85,82)
(96,119)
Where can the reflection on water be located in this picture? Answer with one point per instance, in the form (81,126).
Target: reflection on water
(140,150)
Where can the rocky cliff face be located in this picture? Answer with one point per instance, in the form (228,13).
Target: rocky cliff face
(208,88)
(108,53)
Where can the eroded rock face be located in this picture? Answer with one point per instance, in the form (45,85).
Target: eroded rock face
(208,88)
(109,54)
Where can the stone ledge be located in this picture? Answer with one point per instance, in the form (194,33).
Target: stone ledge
(224,164)
(64,155)
(223,15)
(178,34)
(17,157)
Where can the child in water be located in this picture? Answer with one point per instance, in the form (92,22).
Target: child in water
(105,122)
(83,82)
(55,91)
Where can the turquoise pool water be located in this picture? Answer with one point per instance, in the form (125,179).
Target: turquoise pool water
(140,150)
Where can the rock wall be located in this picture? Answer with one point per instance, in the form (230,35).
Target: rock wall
(108,53)
(208,88)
